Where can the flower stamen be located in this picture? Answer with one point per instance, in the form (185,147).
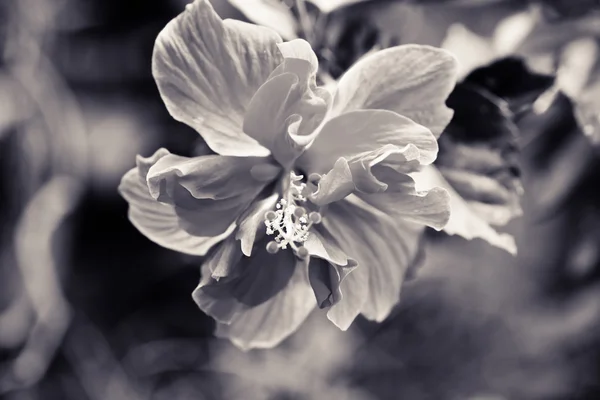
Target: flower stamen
(289,221)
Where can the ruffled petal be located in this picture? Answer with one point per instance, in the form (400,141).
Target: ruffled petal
(286,111)
(402,201)
(207,71)
(463,221)
(208,192)
(261,301)
(299,49)
(334,185)
(328,267)
(383,247)
(354,289)
(357,173)
(248,282)
(364,131)
(411,80)
(267,325)
(159,222)
(380,179)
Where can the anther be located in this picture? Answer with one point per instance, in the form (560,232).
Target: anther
(290,222)
(299,211)
(270,215)
(302,252)
(272,247)
(315,217)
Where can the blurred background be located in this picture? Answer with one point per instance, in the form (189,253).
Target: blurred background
(91,309)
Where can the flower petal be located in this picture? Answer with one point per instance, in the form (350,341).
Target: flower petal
(328,267)
(208,192)
(356,174)
(402,201)
(299,49)
(253,219)
(224,260)
(463,221)
(286,111)
(159,222)
(206,177)
(265,300)
(266,325)
(411,80)
(207,71)
(387,190)
(380,179)
(249,282)
(383,247)
(364,131)
(334,185)
(354,289)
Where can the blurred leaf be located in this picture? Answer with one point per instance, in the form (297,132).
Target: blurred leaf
(466,220)
(470,49)
(511,80)
(565,9)
(478,150)
(549,38)
(16,107)
(344,39)
(355,29)
(327,6)
(477,161)
(275,14)
(350,32)
(582,265)
(587,113)
(563,159)
(579,78)
(570,48)
(478,153)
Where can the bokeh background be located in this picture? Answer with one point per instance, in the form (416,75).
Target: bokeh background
(91,309)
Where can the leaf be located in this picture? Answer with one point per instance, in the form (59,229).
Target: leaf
(477,164)
(478,150)
(478,153)
(511,80)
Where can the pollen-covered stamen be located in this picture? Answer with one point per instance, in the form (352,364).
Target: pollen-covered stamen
(290,222)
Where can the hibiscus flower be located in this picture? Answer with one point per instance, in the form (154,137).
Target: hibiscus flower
(309,200)
(403,23)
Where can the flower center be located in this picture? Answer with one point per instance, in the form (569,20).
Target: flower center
(290,222)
